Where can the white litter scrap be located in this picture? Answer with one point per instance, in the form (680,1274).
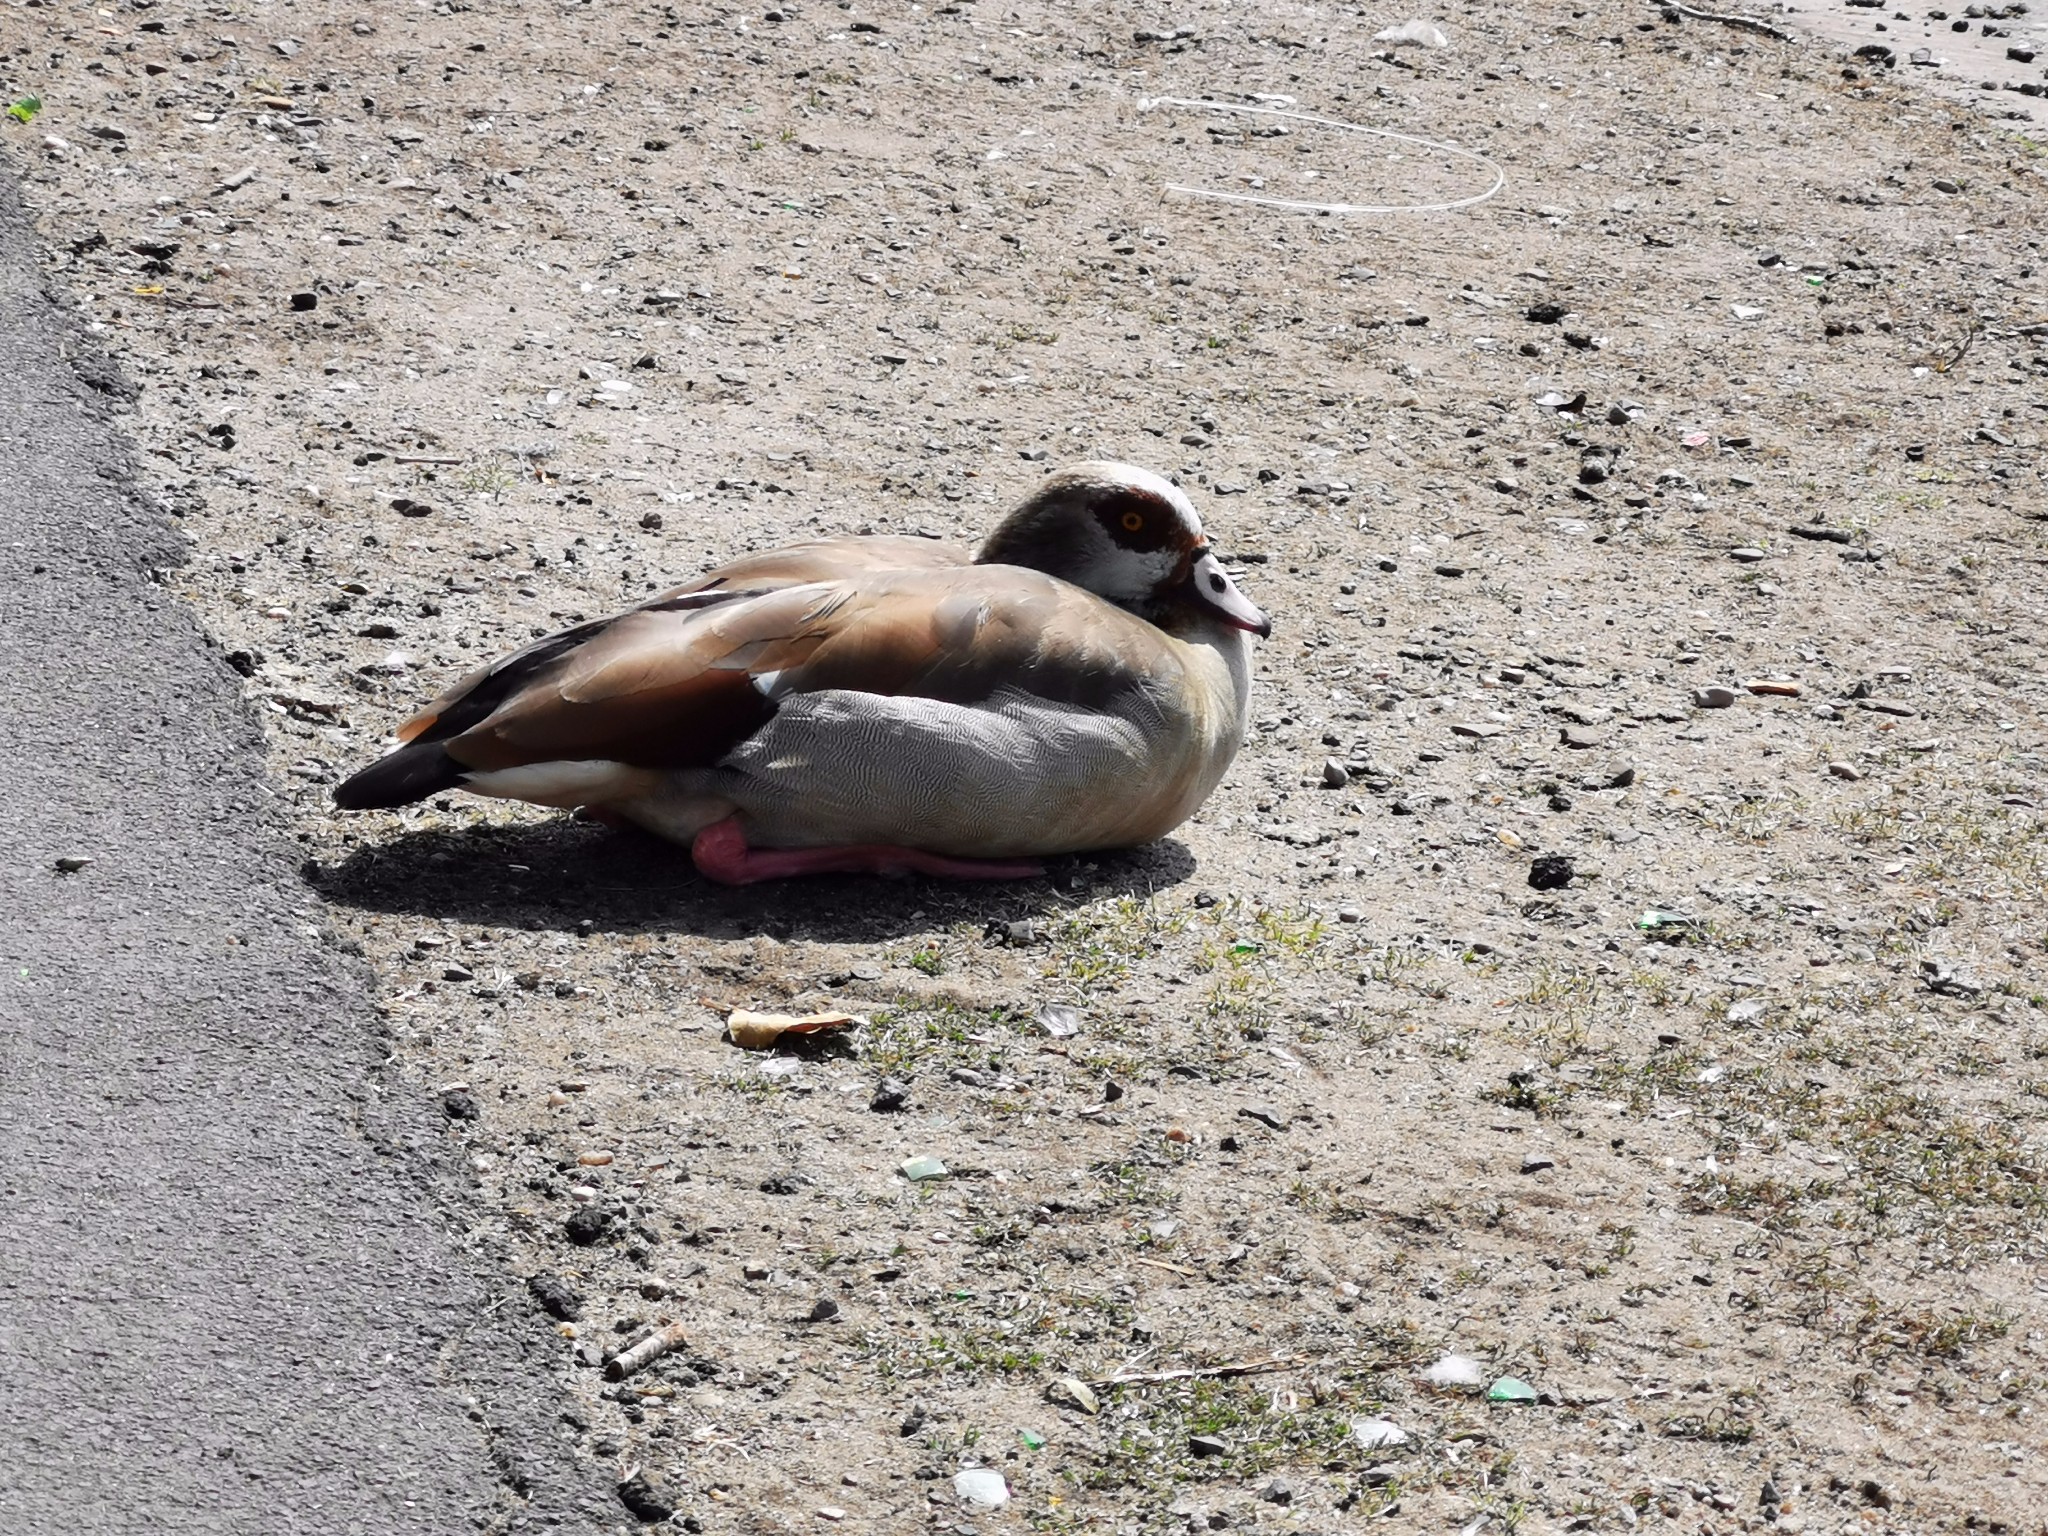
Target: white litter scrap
(1413,34)
(1460,1372)
(1292,205)
(982,1487)
(1378,1434)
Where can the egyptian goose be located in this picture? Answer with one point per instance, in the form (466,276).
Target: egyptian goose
(881,704)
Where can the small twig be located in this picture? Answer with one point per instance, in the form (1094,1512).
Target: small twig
(422,458)
(1194,1372)
(1162,1264)
(1742,23)
(1962,351)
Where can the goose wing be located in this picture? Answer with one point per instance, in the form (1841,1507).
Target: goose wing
(680,684)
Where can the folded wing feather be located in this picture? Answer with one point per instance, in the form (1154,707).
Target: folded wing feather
(669,687)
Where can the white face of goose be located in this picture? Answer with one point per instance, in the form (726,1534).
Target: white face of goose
(1137,541)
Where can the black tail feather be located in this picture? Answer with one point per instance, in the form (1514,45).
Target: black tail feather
(411,773)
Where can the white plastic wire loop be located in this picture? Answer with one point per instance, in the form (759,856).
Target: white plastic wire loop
(1292,205)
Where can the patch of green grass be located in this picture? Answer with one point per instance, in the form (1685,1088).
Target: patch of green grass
(1920,1160)
(1094,948)
(926,1034)
(1720,1425)
(1753,819)
(1928,1333)
(1261,1430)
(960,1345)
(1558,987)
(492,476)
(1771,1202)
(1249,954)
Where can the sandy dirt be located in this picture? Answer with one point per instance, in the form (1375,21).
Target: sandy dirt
(1960,53)
(457,324)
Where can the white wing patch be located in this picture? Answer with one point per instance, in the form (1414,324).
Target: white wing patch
(589,781)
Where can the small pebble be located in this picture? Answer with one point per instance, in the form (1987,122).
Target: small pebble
(586,1225)
(1714,697)
(645,1500)
(556,1297)
(1848,771)
(1335,774)
(891,1095)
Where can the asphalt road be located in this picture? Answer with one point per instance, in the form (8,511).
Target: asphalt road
(234,1293)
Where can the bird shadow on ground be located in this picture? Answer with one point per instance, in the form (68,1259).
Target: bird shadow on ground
(566,875)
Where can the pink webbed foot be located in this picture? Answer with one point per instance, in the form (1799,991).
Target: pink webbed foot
(721,853)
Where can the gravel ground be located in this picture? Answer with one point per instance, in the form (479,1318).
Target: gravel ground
(1668,528)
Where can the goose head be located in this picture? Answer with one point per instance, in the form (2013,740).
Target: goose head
(1129,536)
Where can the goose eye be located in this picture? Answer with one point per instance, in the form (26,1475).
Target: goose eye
(1217,583)
(1133,521)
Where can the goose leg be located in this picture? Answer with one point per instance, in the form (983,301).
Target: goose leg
(721,853)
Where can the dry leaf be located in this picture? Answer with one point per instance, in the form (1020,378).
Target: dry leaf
(759,1031)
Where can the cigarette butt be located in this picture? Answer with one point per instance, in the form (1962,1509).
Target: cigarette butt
(638,1356)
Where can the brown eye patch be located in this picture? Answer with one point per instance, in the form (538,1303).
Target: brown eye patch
(1140,521)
